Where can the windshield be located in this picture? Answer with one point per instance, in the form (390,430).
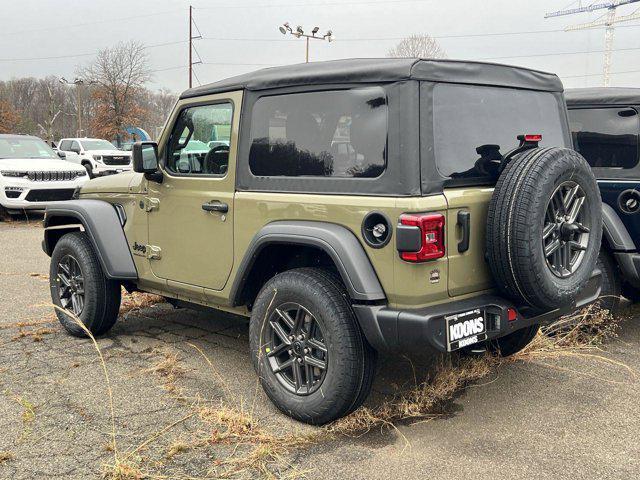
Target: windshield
(97,145)
(25,148)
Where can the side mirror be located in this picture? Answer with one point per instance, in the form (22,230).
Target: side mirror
(145,157)
(61,154)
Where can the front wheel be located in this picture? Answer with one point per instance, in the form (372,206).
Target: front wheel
(80,289)
(307,348)
(89,170)
(4,215)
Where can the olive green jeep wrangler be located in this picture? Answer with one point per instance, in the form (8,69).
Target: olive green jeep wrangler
(346,207)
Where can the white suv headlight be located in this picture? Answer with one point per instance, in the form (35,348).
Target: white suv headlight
(97,158)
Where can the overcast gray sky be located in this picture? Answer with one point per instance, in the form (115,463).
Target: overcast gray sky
(242,35)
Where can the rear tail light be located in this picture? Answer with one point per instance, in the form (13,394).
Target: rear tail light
(512,314)
(431,245)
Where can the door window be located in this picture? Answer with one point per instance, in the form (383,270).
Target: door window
(75,147)
(606,137)
(200,141)
(65,145)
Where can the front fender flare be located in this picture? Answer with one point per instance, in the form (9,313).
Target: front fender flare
(102,224)
(339,243)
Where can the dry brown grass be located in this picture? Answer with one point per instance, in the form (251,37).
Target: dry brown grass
(247,446)
(138,300)
(168,368)
(422,401)
(5,457)
(37,335)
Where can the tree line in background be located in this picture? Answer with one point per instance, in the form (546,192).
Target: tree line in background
(111,97)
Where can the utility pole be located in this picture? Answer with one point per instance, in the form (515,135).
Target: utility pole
(192,24)
(299,32)
(609,22)
(190,46)
(78,82)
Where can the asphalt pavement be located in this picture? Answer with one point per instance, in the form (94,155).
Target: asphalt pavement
(574,416)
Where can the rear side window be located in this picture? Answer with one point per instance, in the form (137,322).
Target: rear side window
(65,145)
(320,134)
(606,137)
(474,125)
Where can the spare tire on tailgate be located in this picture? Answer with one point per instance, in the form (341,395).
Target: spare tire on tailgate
(544,227)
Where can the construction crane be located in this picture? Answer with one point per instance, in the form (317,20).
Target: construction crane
(609,22)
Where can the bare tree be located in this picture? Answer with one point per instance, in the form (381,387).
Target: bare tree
(51,113)
(120,73)
(418,46)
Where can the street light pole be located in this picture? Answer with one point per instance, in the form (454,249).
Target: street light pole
(299,33)
(78,82)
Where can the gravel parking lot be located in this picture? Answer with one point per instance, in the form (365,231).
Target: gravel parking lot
(186,403)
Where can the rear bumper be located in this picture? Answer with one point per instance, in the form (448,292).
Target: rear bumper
(420,330)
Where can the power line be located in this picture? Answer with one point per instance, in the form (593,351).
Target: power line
(559,54)
(97,22)
(316,5)
(76,55)
(598,74)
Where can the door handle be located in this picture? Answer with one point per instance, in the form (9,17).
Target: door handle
(464,220)
(216,206)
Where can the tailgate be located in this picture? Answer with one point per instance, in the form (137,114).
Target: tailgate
(468,270)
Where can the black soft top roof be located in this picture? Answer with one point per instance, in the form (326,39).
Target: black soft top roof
(380,70)
(576,97)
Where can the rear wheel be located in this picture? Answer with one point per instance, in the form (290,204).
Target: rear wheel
(516,341)
(611,288)
(307,348)
(79,287)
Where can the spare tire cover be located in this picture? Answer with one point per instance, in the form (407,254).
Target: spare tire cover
(544,227)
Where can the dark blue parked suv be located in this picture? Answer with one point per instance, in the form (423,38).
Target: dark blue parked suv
(605,124)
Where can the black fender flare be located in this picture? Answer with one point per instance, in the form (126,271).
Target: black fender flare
(100,221)
(338,242)
(615,233)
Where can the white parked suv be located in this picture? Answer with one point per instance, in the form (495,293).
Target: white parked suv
(32,174)
(97,156)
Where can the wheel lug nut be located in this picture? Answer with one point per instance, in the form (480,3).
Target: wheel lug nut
(300,337)
(299,360)
(290,337)
(306,350)
(290,352)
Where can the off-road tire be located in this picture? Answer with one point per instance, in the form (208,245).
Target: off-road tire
(4,215)
(631,293)
(611,286)
(102,296)
(514,342)
(515,224)
(89,169)
(351,361)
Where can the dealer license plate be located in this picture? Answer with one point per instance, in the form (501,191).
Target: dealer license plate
(466,328)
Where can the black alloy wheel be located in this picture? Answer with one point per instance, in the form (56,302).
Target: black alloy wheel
(565,235)
(71,285)
(296,350)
